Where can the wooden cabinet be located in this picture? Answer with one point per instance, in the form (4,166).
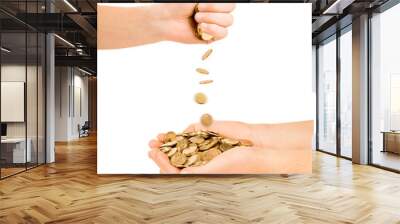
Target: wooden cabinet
(391,142)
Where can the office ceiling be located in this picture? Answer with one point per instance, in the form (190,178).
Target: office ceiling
(76,22)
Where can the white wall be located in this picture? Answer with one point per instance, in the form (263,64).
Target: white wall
(70,83)
(62,81)
(16,73)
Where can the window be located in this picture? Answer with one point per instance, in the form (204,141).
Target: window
(346,92)
(385,89)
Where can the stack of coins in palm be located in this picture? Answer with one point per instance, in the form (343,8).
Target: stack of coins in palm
(200,98)
(197,148)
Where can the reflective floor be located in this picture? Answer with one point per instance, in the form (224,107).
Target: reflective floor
(387,159)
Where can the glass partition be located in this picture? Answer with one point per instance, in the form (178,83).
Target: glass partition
(327,95)
(22,101)
(14,153)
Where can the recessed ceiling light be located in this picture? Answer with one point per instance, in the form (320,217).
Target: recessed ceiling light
(5,50)
(65,41)
(84,71)
(338,6)
(70,5)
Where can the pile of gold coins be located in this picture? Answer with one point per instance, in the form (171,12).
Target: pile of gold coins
(197,148)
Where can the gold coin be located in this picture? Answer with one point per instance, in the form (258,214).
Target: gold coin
(223,147)
(182,144)
(209,144)
(191,150)
(245,142)
(170,136)
(196,139)
(202,71)
(230,141)
(207,37)
(206,120)
(200,98)
(203,35)
(192,160)
(178,159)
(172,152)
(165,149)
(206,54)
(169,144)
(210,154)
(205,82)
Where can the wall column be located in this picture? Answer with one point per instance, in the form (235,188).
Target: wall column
(50,99)
(360,90)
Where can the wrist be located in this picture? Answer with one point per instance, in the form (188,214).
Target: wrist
(157,18)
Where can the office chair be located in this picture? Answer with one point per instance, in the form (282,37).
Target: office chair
(84,130)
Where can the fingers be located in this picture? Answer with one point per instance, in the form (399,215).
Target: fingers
(218,32)
(221,19)
(162,162)
(159,157)
(216,7)
(214,18)
(161,137)
(154,144)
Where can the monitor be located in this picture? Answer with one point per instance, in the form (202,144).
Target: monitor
(3,129)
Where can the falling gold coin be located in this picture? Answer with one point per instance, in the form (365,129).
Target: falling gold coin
(205,82)
(206,54)
(206,120)
(202,71)
(200,98)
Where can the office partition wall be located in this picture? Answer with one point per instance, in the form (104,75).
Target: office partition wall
(22,74)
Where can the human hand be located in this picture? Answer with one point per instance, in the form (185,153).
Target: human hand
(229,129)
(176,20)
(121,27)
(269,154)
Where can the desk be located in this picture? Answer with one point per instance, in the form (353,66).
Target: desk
(15,148)
(391,141)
